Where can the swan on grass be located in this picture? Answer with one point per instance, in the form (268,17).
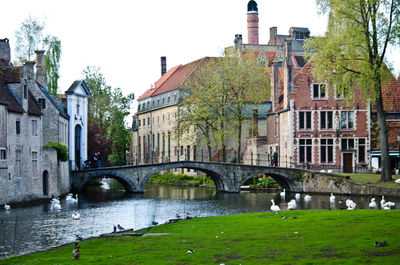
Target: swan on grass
(388,205)
(372,204)
(275,208)
(292,205)
(351,205)
(382,201)
(332,198)
(307,198)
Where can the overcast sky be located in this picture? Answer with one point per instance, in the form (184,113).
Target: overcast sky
(126,38)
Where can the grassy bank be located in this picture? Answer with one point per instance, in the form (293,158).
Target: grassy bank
(314,237)
(372,179)
(179,178)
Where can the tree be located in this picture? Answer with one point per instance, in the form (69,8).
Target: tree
(28,38)
(52,63)
(353,50)
(97,142)
(219,96)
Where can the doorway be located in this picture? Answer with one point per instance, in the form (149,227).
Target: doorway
(45,183)
(348,163)
(78,133)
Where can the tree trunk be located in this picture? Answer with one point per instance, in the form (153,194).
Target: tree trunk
(383,139)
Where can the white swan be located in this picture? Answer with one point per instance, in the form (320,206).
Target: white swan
(283,193)
(7,207)
(397,181)
(329,170)
(71,199)
(351,205)
(297,196)
(307,198)
(76,216)
(372,204)
(332,198)
(292,205)
(382,201)
(388,205)
(55,206)
(275,208)
(55,200)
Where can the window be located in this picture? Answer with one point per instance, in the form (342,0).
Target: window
(326,120)
(276,126)
(34,128)
(304,120)
(163,101)
(3,154)
(17,169)
(78,106)
(326,150)
(34,162)
(144,122)
(343,91)
(169,98)
(25,91)
(361,150)
(139,123)
(319,91)
(158,144)
(347,120)
(138,108)
(148,121)
(305,150)
(347,144)
(42,103)
(17,126)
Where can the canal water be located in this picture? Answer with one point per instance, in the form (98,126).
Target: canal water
(33,228)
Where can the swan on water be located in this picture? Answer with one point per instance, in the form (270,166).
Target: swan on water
(275,208)
(7,207)
(71,199)
(307,198)
(76,216)
(283,193)
(292,205)
(297,196)
(382,201)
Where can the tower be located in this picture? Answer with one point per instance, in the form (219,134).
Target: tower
(252,22)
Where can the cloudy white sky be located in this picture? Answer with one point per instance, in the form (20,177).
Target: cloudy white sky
(126,38)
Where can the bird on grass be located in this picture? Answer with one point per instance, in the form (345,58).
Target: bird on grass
(78,238)
(351,205)
(380,244)
(292,205)
(275,208)
(190,251)
(75,252)
(372,204)
(388,205)
(307,198)
(7,207)
(382,201)
(120,227)
(332,198)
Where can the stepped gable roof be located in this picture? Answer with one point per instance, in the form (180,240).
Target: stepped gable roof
(9,99)
(33,105)
(173,79)
(47,94)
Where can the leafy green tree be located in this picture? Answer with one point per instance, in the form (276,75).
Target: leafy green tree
(219,96)
(353,50)
(52,62)
(28,38)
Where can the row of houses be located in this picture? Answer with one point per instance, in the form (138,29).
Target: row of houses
(307,122)
(30,118)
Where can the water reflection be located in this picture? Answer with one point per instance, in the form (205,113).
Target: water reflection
(31,228)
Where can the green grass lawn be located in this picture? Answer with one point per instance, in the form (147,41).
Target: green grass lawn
(372,179)
(315,237)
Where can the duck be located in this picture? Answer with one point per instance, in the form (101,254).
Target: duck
(283,193)
(292,205)
(120,227)
(275,208)
(78,238)
(75,252)
(307,198)
(76,216)
(372,204)
(297,196)
(7,207)
(332,197)
(190,251)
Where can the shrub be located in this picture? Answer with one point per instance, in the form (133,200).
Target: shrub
(62,150)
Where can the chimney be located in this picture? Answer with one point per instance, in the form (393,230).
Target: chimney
(40,68)
(273,33)
(163,65)
(238,41)
(275,84)
(252,22)
(5,50)
(288,86)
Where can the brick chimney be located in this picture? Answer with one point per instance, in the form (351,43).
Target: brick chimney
(288,86)
(254,123)
(40,68)
(5,50)
(273,33)
(252,22)
(238,41)
(163,65)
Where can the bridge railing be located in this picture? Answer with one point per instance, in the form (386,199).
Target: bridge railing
(260,159)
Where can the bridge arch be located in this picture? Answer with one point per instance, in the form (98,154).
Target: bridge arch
(126,182)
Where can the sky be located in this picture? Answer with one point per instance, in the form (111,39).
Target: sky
(126,38)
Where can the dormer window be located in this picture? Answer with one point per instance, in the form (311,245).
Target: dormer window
(42,103)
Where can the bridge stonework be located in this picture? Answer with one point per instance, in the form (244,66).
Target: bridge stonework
(226,176)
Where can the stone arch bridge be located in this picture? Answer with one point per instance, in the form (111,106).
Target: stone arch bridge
(226,176)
